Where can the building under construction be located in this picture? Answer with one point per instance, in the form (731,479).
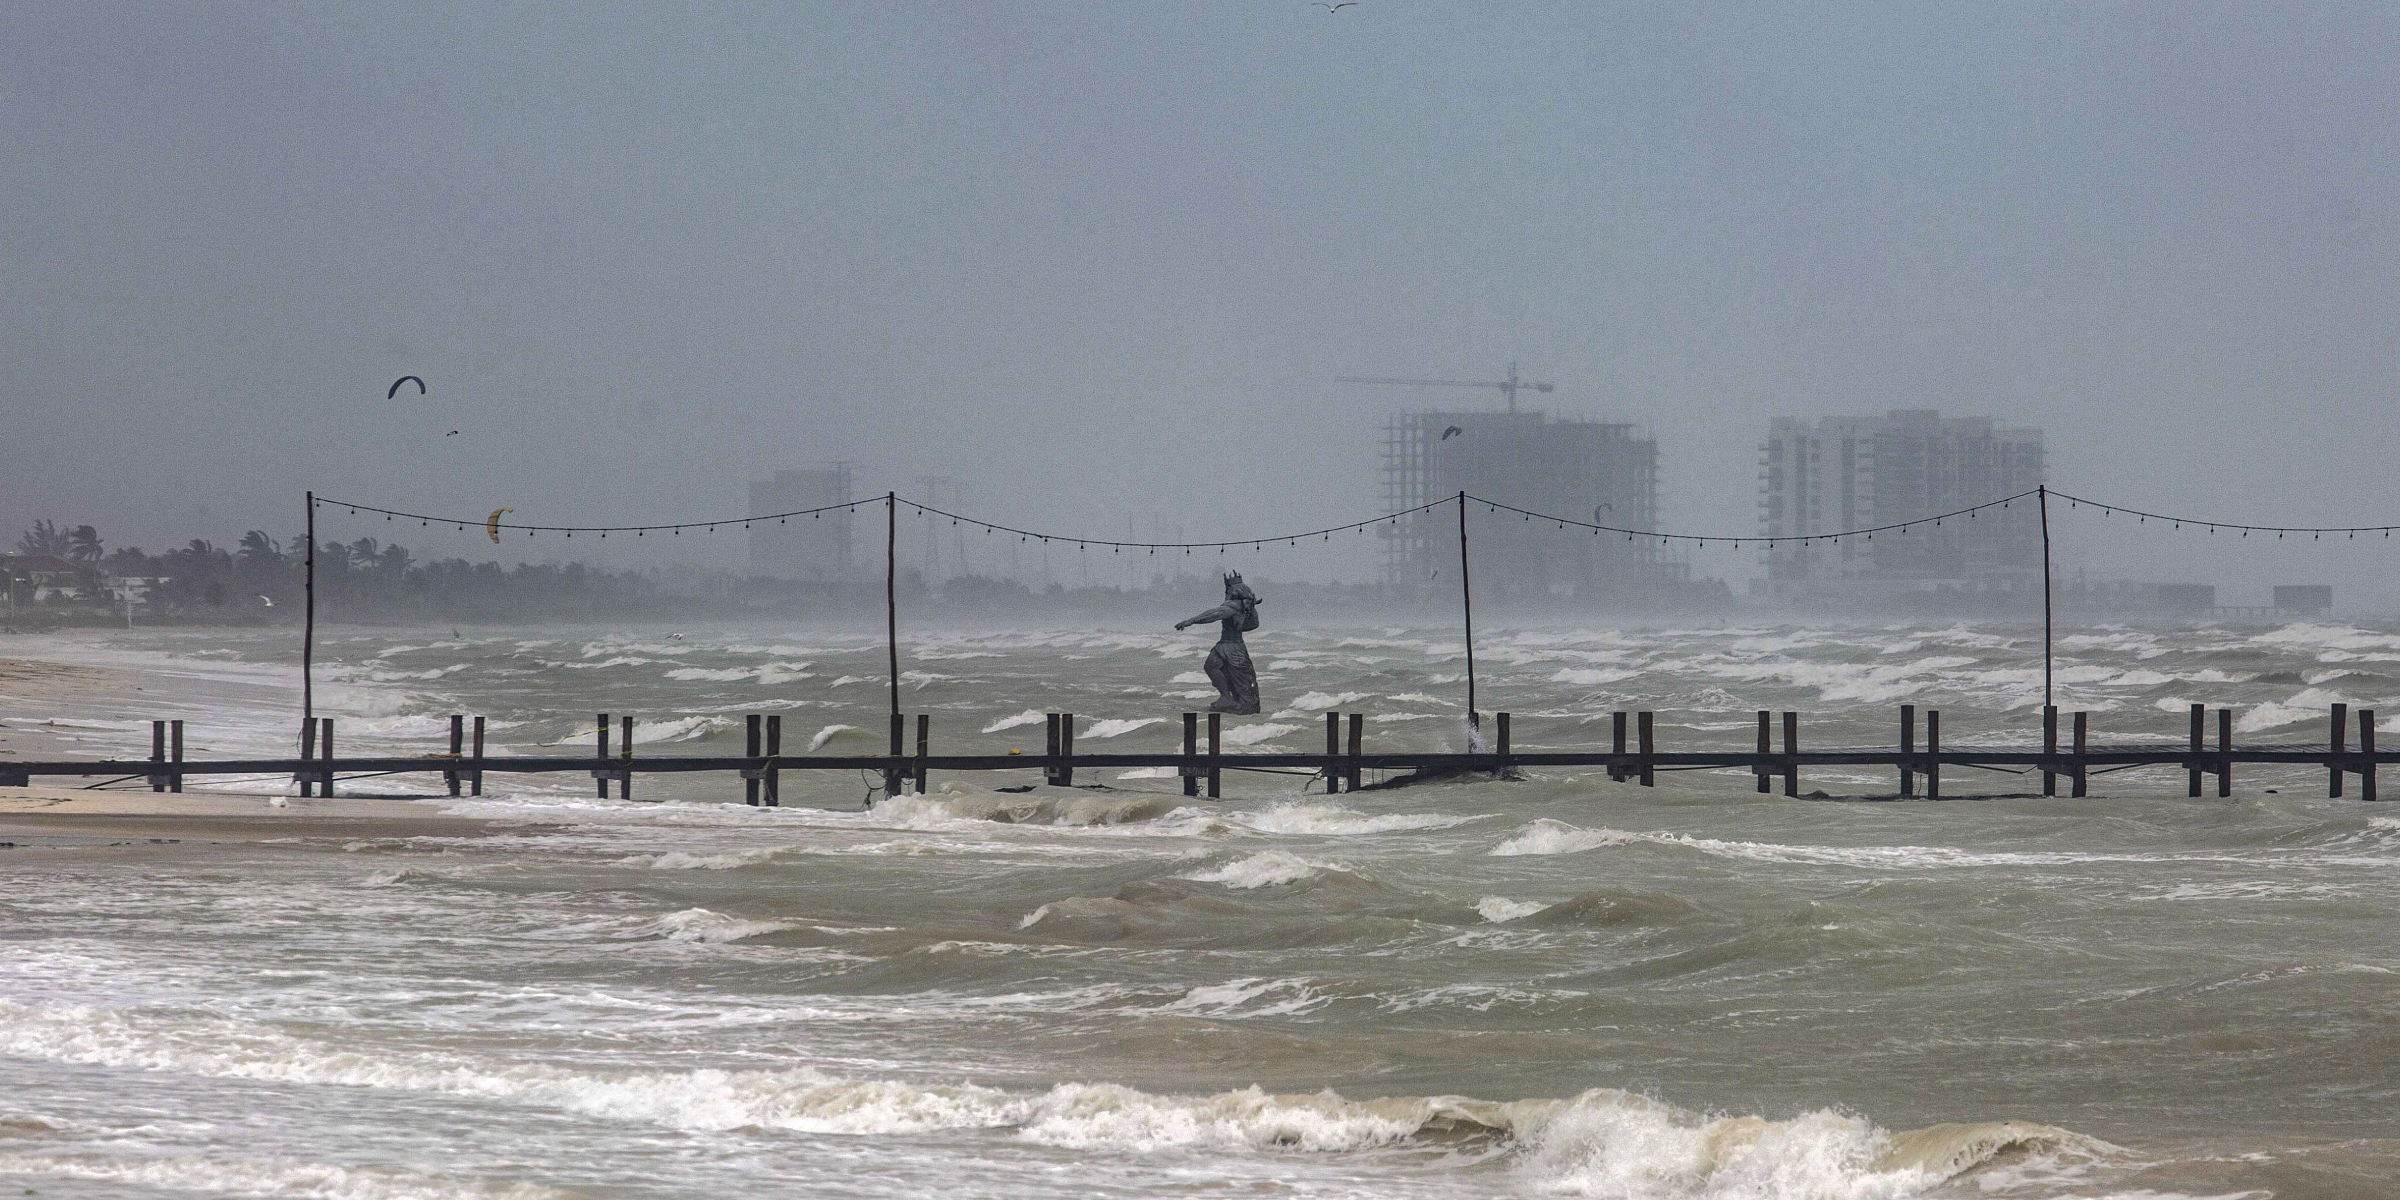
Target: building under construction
(1598,471)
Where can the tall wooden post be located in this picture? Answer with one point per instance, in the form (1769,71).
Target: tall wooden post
(477,781)
(891,628)
(175,754)
(2192,772)
(1066,749)
(325,744)
(1908,747)
(1501,747)
(308,752)
(600,757)
(308,619)
(158,754)
(1050,749)
(1466,606)
(2042,493)
(1616,746)
(625,752)
(1190,770)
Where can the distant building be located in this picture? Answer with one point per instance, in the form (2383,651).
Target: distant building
(1598,471)
(814,548)
(43,579)
(2306,599)
(1844,473)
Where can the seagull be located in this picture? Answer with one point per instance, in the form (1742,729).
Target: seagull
(264,600)
(452,433)
(1331,9)
(1454,430)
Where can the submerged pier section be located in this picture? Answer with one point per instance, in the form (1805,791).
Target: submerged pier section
(1633,755)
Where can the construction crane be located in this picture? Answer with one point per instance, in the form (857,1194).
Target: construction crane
(1508,387)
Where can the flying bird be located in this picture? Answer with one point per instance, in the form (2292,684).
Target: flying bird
(1454,430)
(1331,9)
(264,600)
(452,433)
(395,388)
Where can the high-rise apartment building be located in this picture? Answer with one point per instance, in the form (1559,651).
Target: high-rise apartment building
(814,548)
(1843,473)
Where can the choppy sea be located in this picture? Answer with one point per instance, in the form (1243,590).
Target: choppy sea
(1554,986)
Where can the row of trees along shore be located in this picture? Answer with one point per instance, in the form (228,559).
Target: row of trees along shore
(68,575)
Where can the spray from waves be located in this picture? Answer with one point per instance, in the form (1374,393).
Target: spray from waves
(1268,868)
(704,925)
(1498,909)
(272,1177)
(1602,1142)
(1547,836)
(948,810)
(681,729)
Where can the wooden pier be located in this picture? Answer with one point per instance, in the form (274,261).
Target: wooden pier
(1922,765)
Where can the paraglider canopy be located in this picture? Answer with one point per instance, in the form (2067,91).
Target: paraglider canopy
(395,388)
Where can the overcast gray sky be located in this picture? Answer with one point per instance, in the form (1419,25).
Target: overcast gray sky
(1105,259)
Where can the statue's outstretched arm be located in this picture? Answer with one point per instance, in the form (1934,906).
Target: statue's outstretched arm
(1218,613)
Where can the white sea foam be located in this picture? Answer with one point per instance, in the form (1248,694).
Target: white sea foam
(705,925)
(1148,773)
(829,733)
(1319,817)
(1497,909)
(1251,735)
(271,1177)
(1116,726)
(1267,868)
(1190,677)
(1031,716)
(1546,836)
(1592,676)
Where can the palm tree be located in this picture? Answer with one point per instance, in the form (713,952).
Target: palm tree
(393,562)
(259,552)
(45,539)
(83,545)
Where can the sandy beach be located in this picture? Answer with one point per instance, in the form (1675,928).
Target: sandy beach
(37,816)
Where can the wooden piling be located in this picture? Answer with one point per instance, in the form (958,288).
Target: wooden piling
(158,754)
(1791,753)
(2049,749)
(2333,746)
(1050,742)
(2224,751)
(1933,754)
(1216,747)
(1908,747)
(325,752)
(924,749)
(2366,754)
(770,783)
(1502,730)
(1358,738)
(896,771)
(2081,769)
(1190,770)
(1645,725)
(477,783)
(1766,746)
(600,753)
(458,740)
(175,755)
(308,753)
(625,755)
(2195,764)
(1616,746)
(750,747)
(1066,749)
(1333,746)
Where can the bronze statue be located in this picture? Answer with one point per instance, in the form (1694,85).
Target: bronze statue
(1229,660)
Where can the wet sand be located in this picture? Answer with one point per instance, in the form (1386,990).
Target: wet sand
(39,815)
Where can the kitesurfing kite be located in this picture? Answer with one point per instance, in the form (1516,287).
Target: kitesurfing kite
(491,524)
(395,388)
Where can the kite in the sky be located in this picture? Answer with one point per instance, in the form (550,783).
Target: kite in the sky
(395,388)
(491,524)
